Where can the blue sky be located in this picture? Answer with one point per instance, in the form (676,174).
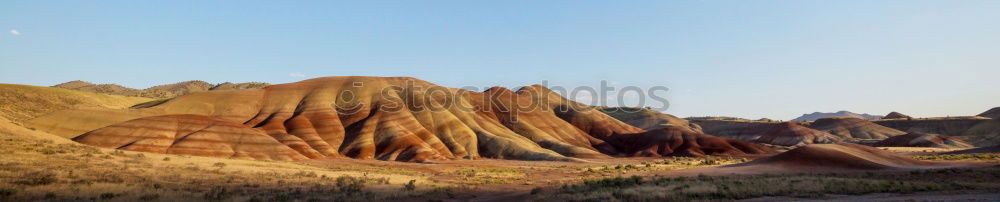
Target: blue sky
(752,59)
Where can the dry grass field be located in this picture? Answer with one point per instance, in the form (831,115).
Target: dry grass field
(39,166)
(36,168)
(22,102)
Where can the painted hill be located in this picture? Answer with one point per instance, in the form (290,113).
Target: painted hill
(992,113)
(896,115)
(732,128)
(190,135)
(19,103)
(818,115)
(984,134)
(392,118)
(853,128)
(791,134)
(951,126)
(923,140)
(160,91)
(840,155)
(681,141)
(647,119)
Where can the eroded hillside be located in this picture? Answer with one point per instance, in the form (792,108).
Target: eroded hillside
(387,118)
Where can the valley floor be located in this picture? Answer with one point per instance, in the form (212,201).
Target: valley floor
(52,169)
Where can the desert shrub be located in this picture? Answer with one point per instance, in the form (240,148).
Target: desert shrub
(37,178)
(958,157)
(616,182)
(48,151)
(111,177)
(350,184)
(149,197)
(704,187)
(107,195)
(166,158)
(7,192)
(217,193)
(410,186)
(710,161)
(118,153)
(536,190)
(219,165)
(306,174)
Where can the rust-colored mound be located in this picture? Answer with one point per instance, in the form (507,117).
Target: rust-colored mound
(190,135)
(791,134)
(681,141)
(923,140)
(854,128)
(841,155)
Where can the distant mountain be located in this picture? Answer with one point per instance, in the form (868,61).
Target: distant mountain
(896,115)
(160,91)
(818,115)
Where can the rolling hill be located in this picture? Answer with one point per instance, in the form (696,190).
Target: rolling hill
(646,118)
(792,134)
(993,113)
(818,115)
(896,115)
(160,91)
(923,140)
(841,155)
(19,103)
(385,118)
(853,128)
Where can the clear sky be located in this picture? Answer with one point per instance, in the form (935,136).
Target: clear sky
(752,59)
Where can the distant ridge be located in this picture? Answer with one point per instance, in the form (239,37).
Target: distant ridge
(818,115)
(923,140)
(647,119)
(160,91)
(896,115)
(992,113)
